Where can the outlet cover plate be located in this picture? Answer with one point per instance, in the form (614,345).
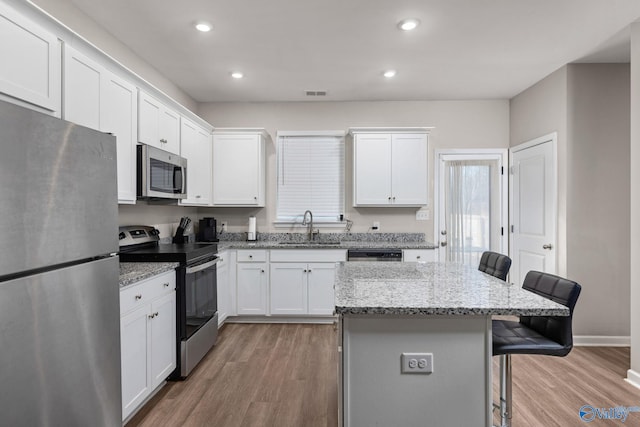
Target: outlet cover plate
(422,215)
(416,363)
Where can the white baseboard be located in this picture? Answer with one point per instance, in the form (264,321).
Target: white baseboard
(281,319)
(633,378)
(601,341)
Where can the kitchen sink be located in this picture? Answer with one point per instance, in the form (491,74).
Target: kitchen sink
(310,243)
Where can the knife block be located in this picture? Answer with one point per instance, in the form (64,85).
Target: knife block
(179,237)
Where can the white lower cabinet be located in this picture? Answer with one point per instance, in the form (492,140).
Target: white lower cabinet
(419,255)
(148,337)
(252,281)
(301,289)
(304,287)
(222,281)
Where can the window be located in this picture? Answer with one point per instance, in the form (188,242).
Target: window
(310,176)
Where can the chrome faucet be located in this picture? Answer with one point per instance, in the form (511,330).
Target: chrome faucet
(308,223)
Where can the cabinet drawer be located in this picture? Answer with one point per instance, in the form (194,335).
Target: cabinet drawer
(143,292)
(250,255)
(419,255)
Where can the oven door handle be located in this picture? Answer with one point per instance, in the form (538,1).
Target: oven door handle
(191,270)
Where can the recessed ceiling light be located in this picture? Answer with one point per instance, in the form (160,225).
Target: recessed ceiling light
(389,73)
(237,75)
(408,24)
(203,26)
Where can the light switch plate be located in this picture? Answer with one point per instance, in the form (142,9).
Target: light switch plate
(416,363)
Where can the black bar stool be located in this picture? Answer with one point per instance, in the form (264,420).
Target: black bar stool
(548,335)
(495,264)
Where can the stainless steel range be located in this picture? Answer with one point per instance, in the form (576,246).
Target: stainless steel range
(197,302)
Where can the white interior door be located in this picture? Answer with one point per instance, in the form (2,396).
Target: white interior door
(472,215)
(533,207)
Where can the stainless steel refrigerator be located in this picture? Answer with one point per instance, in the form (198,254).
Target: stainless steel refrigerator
(59,293)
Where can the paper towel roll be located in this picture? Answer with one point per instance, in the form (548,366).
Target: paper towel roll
(251,235)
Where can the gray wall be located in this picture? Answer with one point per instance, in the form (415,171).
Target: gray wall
(598,210)
(588,105)
(635,203)
(458,124)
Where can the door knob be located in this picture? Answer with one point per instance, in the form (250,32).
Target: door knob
(548,246)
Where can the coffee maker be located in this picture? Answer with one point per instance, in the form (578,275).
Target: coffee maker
(207,231)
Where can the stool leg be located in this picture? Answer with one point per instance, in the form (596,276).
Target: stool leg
(505,390)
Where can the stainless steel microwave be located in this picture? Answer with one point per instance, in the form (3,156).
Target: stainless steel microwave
(161,175)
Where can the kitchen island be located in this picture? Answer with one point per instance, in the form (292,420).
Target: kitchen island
(415,341)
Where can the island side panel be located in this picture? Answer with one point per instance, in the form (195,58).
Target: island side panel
(375,392)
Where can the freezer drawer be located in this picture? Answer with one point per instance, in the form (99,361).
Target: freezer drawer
(60,353)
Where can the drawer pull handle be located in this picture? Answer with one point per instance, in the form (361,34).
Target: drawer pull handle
(166,285)
(138,297)
(418,257)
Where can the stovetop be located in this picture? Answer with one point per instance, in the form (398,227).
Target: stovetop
(184,253)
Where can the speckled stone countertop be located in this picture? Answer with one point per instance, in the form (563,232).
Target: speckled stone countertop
(409,288)
(223,245)
(132,272)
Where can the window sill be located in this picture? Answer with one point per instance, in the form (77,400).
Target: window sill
(288,224)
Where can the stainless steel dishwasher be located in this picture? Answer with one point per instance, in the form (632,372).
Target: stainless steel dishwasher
(374,254)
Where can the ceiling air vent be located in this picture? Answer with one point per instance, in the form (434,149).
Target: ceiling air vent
(315,92)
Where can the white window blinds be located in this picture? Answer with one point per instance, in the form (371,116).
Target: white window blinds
(310,176)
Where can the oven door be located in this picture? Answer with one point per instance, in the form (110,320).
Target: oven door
(200,296)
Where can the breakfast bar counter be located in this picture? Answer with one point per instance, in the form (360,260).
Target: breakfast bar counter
(415,341)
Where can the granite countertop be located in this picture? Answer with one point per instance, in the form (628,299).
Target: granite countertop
(132,272)
(266,244)
(432,289)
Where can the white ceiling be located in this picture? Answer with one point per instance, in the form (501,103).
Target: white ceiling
(464,49)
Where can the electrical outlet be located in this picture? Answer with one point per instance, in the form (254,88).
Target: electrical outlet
(422,215)
(417,363)
(223,226)
(376,225)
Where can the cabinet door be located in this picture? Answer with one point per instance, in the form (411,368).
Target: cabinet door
(83,90)
(223,287)
(119,116)
(321,278)
(252,288)
(149,116)
(409,169)
(136,381)
(170,130)
(288,288)
(195,146)
(372,170)
(31,63)
(163,339)
(238,170)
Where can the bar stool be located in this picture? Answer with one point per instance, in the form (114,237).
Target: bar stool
(547,335)
(495,264)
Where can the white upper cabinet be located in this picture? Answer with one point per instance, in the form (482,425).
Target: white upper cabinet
(238,168)
(158,125)
(195,146)
(390,169)
(31,70)
(96,98)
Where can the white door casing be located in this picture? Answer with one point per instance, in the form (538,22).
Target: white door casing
(533,207)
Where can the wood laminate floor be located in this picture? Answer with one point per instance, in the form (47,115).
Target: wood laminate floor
(280,375)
